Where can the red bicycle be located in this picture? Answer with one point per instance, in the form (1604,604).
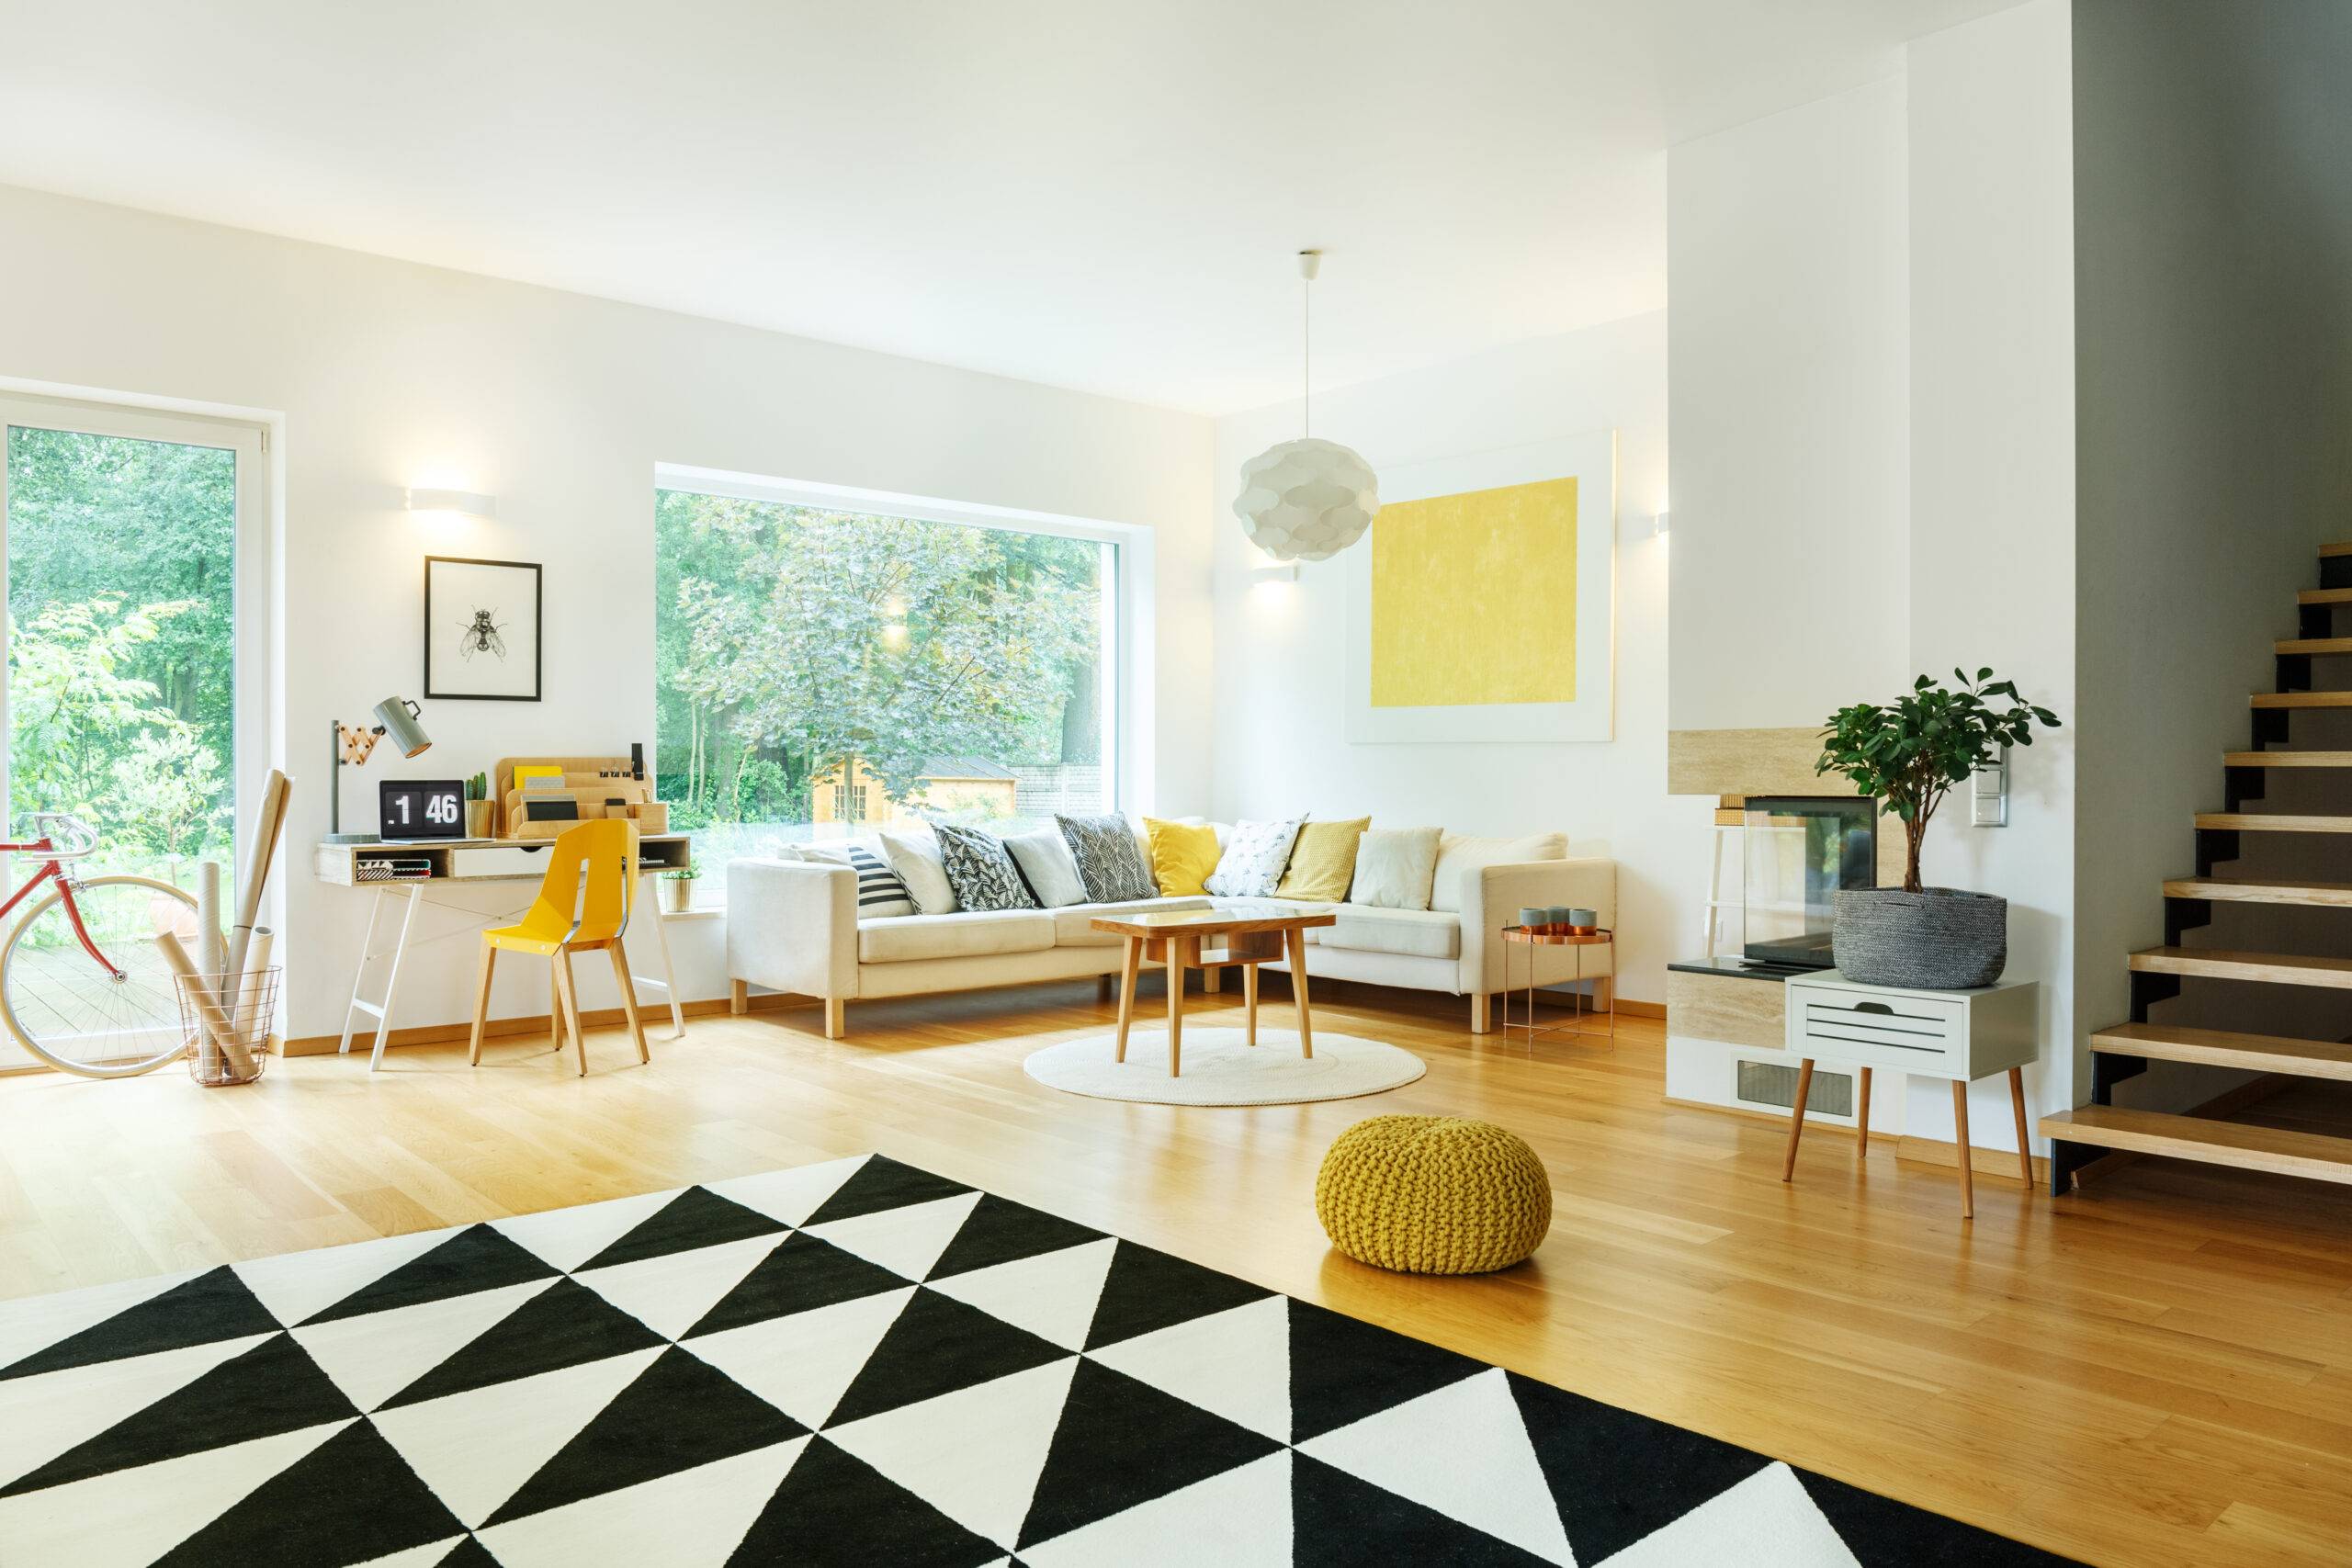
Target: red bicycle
(83,984)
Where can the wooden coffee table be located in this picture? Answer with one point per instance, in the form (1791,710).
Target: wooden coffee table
(1249,936)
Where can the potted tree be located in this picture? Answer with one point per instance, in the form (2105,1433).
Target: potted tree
(1907,756)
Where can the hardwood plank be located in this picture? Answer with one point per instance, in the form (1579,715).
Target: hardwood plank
(2242,1145)
(2302,699)
(2228,1048)
(2261,890)
(2221,964)
(2287,759)
(2273,822)
(1681,1279)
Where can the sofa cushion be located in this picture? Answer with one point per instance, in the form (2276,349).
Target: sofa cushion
(881,893)
(966,934)
(1074,927)
(1395,867)
(919,866)
(1183,855)
(1255,854)
(1110,861)
(1323,861)
(1047,866)
(1457,855)
(1409,933)
(979,870)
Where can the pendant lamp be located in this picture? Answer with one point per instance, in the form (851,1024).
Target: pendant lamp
(1306,500)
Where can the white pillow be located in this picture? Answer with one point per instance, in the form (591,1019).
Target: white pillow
(1045,859)
(882,893)
(1255,855)
(1394,866)
(1457,855)
(919,866)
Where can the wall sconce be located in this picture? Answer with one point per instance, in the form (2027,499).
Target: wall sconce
(472,504)
(1287,572)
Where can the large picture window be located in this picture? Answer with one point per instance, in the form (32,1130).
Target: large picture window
(824,672)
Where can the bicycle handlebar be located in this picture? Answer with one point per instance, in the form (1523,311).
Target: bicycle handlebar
(70,838)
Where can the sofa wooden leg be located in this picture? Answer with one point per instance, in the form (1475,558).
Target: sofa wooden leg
(1106,988)
(1212,981)
(836,1018)
(738,997)
(1482,1014)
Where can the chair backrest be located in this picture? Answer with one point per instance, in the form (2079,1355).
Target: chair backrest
(590,883)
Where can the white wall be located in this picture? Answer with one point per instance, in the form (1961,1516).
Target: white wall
(1992,503)
(1279,714)
(1786,248)
(1872,354)
(389,374)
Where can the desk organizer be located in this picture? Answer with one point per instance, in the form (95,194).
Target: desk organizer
(593,788)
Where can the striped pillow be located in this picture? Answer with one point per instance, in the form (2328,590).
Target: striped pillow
(880,893)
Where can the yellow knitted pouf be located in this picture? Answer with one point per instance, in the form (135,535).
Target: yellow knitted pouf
(1433,1195)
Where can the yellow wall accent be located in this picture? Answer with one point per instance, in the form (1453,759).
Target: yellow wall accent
(1474,598)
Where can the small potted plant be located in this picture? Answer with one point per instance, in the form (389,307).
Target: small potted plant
(478,812)
(1907,756)
(678,889)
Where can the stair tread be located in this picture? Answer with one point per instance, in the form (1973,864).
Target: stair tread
(2302,699)
(2287,758)
(2259,890)
(2314,644)
(2240,1144)
(2341,547)
(2273,822)
(2324,596)
(2225,963)
(2229,1048)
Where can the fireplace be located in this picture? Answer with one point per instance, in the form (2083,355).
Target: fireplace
(1800,851)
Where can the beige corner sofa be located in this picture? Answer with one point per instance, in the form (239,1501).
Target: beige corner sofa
(792,926)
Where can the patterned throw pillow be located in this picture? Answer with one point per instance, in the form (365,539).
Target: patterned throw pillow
(1255,854)
(1110,862)
(881,892)
(979,870)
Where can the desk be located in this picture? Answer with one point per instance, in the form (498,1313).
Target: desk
(470,861)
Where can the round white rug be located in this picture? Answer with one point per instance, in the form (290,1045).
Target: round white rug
(1219,1069)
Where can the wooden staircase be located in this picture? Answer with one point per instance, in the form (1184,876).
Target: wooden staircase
(2102,1127)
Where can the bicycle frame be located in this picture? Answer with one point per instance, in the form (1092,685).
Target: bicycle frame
(53,868)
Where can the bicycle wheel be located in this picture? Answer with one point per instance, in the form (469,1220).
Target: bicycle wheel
(70,1012)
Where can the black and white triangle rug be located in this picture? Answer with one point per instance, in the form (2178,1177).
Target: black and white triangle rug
(857,1363)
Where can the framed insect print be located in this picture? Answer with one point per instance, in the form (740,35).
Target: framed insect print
(481,630)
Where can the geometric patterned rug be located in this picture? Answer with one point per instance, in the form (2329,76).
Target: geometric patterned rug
(856,1363)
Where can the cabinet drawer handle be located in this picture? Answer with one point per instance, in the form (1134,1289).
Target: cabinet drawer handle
(1873,1007)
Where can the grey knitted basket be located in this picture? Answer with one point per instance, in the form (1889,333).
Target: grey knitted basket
(1940,939)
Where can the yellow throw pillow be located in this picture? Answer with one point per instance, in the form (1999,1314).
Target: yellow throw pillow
(1182,856)
(1323,862)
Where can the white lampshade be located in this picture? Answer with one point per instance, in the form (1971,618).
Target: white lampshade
(1306,500)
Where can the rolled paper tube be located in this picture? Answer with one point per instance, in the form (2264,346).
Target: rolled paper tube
(208,1011)
(212,953)
(269,823)
(250,988)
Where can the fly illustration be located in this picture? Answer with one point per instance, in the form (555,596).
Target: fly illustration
(480,636)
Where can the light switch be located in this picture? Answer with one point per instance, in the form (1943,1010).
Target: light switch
(1988,793)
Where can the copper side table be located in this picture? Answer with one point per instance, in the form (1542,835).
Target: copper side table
(1532,937)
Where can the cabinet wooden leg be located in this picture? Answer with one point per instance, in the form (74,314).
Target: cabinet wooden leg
(1128,967)
(1863,1120)
(2025,1144)
(1796,1118)
(1967,1155)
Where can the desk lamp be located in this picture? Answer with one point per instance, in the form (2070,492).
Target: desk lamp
(354,744)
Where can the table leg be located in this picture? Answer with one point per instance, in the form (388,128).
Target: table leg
(392,980)
(1177,954)
(1250,1003)
(669,971)
(1796,1118)
(1967,1163)
(1295,941)
(1863,1120)
(2025,1144)
(1133,961)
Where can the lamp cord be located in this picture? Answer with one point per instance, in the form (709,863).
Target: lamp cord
(1306,357)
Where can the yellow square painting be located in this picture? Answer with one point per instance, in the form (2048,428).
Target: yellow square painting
(1474,598)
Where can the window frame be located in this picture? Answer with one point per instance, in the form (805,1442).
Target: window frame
(1126,593)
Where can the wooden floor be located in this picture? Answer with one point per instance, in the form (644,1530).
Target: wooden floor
(2157,1372)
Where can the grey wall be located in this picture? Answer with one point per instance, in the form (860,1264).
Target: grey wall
(2213,337)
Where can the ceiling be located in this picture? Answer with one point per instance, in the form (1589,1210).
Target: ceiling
(1098,194)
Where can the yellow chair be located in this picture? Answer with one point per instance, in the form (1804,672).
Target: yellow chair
(582,905)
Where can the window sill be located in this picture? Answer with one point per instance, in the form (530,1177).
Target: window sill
(699,912)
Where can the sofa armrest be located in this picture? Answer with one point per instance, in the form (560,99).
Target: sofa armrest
(792,926)
(1492,897)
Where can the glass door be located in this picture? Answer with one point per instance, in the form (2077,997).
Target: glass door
(123,634)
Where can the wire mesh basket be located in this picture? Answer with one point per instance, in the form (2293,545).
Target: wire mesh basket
(226,1021)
